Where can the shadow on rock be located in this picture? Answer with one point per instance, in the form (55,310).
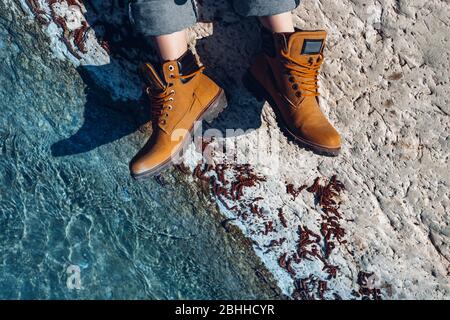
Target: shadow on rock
(226,55)
(105,120)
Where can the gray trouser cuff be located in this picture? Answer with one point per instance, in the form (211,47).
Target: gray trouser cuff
(156,17)
(260,8)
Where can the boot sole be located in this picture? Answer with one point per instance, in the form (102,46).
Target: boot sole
(261,94)
(216,106)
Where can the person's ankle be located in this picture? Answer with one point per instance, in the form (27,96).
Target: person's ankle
(275,26)
(171,46)
(267,31)
(173,56)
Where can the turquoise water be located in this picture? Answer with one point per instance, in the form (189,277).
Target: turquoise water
(66,198)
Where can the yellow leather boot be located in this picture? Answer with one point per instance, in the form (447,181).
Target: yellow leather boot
(286,74)
(179,98)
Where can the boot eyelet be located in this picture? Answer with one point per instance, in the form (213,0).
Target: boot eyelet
(172,92)
(169,107)
(171,99)
(295,86)
(147,90)
(171,68)
(291,79)
(163,122)
(298,94)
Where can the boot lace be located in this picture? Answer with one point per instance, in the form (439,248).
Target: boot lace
(162,102)
(303,75)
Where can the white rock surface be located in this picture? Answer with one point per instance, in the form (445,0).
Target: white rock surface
(385,85)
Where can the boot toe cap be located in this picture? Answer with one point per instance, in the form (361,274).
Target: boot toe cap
(138,167)
(141,165)
(151,163)
(326,137)
(331,140)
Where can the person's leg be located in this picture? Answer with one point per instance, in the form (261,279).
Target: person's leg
(158,17)
(165,21)
(278,23)
(171,46)
(287,71)
(179,93)
(278,9)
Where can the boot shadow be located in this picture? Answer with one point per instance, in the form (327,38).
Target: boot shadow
(227,55)
(107,119)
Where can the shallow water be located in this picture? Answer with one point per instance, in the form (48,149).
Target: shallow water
(66,198)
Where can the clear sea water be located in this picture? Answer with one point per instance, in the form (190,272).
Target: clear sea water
(60,208)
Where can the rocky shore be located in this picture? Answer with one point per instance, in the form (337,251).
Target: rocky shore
(372,223)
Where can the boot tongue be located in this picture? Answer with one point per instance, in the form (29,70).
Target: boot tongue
(151,77)
(306,45)
(183,66)
(157,81)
